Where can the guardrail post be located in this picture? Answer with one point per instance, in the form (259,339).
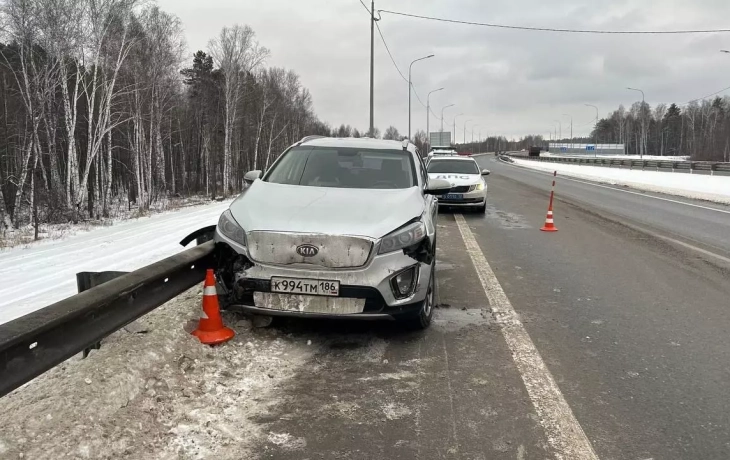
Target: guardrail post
(691,167)
(88,280)
(712,169)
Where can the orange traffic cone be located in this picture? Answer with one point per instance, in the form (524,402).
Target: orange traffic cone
(211,330)
(549,225)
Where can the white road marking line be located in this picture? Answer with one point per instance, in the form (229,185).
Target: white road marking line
(687,245)
(563,432)
(539,171)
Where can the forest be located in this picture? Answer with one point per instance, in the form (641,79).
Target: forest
(103,111)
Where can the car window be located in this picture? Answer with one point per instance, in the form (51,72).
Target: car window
(453,166)
(342,167)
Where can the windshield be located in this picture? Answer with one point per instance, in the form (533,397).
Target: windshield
(453,166)
(344,168)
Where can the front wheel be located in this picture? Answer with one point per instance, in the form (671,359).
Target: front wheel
(422,320)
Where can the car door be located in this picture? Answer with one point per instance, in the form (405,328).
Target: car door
(431,201)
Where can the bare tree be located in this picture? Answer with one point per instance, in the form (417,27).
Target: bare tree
(238,53)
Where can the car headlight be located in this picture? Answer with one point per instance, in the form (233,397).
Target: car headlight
(228,226)
(403,237)
(479,186)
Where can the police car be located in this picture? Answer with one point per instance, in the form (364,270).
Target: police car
(468,183)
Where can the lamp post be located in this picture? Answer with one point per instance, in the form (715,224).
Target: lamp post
(428,116)
(560,125)
(571,128)
(595,129)
(442,118)
(467,121)
(410,85)
(642,147)
(457,116)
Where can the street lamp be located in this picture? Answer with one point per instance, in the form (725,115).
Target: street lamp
(442,118)
(410,85)
(571,127)
(467,121)
(561,128)
(595,129)
(428,116)
(455,125)
(643,132)
(725,51)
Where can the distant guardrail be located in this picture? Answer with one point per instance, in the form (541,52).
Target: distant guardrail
(706,167)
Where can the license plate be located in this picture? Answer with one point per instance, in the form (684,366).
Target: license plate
(453,196)
(305,286)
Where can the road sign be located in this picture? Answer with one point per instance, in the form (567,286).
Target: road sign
(440,139)
(590,148)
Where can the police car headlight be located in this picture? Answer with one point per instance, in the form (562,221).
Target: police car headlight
(479,187)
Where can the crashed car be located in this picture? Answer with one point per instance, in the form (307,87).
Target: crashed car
(468,183)
(334,228)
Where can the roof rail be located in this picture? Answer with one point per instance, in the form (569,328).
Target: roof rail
(309,138)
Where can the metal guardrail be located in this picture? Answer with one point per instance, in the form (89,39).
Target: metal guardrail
(666,165)
(34,343)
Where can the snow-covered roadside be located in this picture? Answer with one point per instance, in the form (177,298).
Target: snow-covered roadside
(157,394)
(618,157)
(38,275)
(703,187)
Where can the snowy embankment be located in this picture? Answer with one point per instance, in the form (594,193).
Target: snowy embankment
(703,187)
(40,274)
(617,157)
(156,393)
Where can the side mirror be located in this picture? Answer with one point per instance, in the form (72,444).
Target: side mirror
(438,187)
(485,172)
(251,176)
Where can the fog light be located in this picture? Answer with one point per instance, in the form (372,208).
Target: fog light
(404,282)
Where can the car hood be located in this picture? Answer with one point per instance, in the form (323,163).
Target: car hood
(457,179)
(371,213)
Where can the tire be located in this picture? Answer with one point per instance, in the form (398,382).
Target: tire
(422,320)
(483,209)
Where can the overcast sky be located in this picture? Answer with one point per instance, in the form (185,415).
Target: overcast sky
(509,82)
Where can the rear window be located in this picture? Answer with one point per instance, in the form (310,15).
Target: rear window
(344,168)
(453,166)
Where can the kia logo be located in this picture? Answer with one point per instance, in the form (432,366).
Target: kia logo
(307,250)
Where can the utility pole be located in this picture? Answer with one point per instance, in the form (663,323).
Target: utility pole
(595,129)
(410,85)
(455,126)
(642,147)
(428,116)
(372,63)
(467,121)
(571,128)
(560,125)
(442,118)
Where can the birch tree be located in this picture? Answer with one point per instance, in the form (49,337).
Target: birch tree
(238,53)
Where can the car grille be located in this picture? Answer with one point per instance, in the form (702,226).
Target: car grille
(333,251)
(462,189)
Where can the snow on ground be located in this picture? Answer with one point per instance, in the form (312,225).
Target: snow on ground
(703,187)
(157,393)
(618,157)
(40,274)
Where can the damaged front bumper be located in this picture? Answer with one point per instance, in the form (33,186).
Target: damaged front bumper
(366,292)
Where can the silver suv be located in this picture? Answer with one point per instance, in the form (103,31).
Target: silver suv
(335,228)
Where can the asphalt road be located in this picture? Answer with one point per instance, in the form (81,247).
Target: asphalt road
(630,326)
